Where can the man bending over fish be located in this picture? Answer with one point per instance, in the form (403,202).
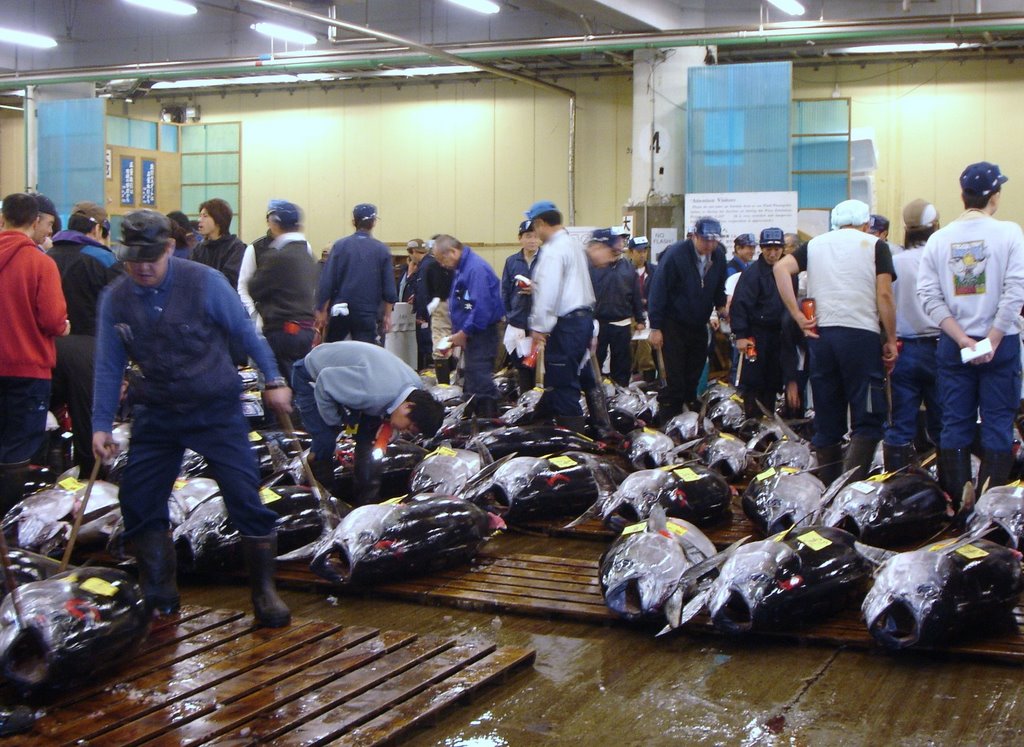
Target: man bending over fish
(174,319)
(356,384)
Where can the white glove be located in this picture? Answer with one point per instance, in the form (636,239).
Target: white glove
(434,303)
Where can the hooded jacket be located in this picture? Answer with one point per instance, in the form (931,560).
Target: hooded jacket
(86,267)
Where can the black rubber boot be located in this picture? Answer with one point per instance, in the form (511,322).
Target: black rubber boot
(995,469)
(443,372)
(859,454)
(954,473)
(600,420)
(573,422)
(897,457)
(366,475)
(830,463)
(486,407)
(260,559)
(525,379)
(12,484)
(323,473)
(155,556)
(16,720)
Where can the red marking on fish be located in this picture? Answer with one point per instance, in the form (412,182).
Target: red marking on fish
(681,495)
(557,478)
(80,609)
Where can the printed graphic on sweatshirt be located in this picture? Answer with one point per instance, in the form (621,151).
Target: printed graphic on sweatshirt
(967,260)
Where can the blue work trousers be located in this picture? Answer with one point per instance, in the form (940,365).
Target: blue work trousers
(614,340)
(219,432)
(23,406)
(913,382)
(359,328)
(991,390)
(480,350)
(846,376)
(563,355)
(324,436)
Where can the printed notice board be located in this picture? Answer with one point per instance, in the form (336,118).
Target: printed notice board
(127,181)
(148,182)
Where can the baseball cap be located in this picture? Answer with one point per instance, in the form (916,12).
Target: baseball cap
(45,204)
(539,208)
(283,213)
(919,214)
(416,245)
(144,234)
(850,213)
(640,243)
(602,236)
(772,237)
(708,228)
(980,178)
(526,225)
(619,231)
(745,239)
(878,223)
(364,211)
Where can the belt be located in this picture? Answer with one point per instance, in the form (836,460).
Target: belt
(582,311)
(919,340)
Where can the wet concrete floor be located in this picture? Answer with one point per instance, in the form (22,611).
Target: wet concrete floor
(618,685)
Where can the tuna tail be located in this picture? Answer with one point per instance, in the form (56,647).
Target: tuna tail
(656,520)
(483,477)
(828,496)
(677,615)
(485,454)
(874,555)
(605,490)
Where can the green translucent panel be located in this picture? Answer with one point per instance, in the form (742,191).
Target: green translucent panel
(193,169)
(821,117)
(193,139)
(223,137)
(828,153)
(169,138)
(820,191)
(119,131)
(143,134)
(222,167)
(192,196)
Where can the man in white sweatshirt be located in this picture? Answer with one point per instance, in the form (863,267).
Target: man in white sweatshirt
(971,285)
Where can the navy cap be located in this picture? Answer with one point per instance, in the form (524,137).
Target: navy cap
(45,204)
(539,208)
(602,236)
(708,228)
(982,178)
(878,223)
(283,213)
(745,239)
(640,243)
(364,211)
(772,237)
(144,234)
(526,225)
(619,231)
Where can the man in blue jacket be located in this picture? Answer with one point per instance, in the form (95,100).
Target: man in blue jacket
(476,308)
(356,282)
(517,296)
(685,292)
(174,319)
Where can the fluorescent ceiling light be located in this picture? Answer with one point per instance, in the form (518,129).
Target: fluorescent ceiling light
(283,33)
(176,7)
(250,80)
(789,7)
(480,6)
(897,48)
(26,39)
(436,70)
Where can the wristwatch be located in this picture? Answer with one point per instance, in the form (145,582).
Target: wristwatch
(275,384)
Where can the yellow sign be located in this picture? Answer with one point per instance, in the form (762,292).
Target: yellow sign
(814,540)
(971,552)
(254,436)
(71,483)
(770,472)
(634,528)
(687,475)
(563,462)
(676,528)
(98,586)
(269,496)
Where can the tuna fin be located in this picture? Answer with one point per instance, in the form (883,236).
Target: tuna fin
(693,575)
(874,555)
(833,490)
(673,611)
(695,605)
(594,512)
(482,477)
(788,432)
(656,520)
(483,451)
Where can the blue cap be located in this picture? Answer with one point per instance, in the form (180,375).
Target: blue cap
(603,236)
(745,239)
(284,213)
(640,243)
(878,223)
(526,225)
(708,228)
(982,178)
(772,237)
(364,211)
(539,208)
(45,204)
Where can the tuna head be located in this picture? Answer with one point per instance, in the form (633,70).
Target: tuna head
(779,498)
(649,448)
(906,601)
(639,573)
(748,582)
(1003,508)
(635,497)
(445,470)
(338,554)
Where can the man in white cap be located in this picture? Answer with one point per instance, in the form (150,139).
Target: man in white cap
(971,284)
(913,378)
(849,278)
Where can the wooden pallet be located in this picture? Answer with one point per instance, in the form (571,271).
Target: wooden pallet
(540,585)
(210,677)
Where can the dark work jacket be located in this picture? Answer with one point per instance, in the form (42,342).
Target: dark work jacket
(283,285)
(756,303)
(645,284)
(517,305)
(359,272)
(260,247)
(422,297)
(183,355)
(86,266)
(223,254)
(437,281)
(617,292)
(677,291)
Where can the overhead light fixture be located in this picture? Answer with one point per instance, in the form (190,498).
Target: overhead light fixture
(789,7)
(249,80)
(175,7)
(480,6)
(900,48)
(27,39)
(276,31)
(435,70)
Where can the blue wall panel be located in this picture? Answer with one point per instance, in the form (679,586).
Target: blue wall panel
(70,149)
